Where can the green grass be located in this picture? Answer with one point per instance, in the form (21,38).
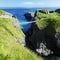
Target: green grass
(10,32)
(52,19)
(1,12)
(9,48)
(51,22)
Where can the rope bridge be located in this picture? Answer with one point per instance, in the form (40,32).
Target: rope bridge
(30,22)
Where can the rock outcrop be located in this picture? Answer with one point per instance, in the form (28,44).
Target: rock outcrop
(45,11)
(57,10)
(44,32)
(51,11)
(29,15)
(11,36)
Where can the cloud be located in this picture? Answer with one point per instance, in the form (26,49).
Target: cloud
(52,4)
(27,3)
(39,4)
(33,3)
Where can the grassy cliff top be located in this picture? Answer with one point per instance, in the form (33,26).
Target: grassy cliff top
(2,12)
(51,19)
(10,32)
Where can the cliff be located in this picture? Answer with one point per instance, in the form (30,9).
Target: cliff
(46,31)
(29,15)
(10,37)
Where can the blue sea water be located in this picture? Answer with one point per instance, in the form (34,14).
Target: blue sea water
(19,13)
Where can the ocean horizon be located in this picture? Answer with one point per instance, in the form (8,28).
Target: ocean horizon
(49,8)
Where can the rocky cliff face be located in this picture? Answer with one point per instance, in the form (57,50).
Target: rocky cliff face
(29,15)
(42,36)
(57,10)
(10,38)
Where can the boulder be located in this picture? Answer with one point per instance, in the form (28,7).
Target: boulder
(51,11)
(45,11)
(29,16)
(57,10)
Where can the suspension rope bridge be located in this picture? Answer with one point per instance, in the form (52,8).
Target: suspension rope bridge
(30,22)
(22,23)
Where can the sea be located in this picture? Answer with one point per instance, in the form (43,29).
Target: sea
(19,13)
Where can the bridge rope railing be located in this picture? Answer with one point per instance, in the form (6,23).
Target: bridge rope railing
(30,22)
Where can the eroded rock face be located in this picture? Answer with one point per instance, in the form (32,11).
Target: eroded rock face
(51,11)
(42,42)
(58,38)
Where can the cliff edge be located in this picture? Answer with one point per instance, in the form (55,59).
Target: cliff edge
(10,37)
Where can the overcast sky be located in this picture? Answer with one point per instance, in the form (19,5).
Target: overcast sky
(29,3)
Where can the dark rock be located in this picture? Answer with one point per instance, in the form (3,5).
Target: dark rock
(57,10)
(51,11)
(47,38)
(58,39)
(14,16)
(35,14)
(28,35)
(43,41)
(45,11)
(29,16)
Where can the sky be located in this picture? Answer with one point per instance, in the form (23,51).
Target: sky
(29,3)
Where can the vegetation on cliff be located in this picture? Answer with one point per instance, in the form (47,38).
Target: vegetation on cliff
(10,49)
(1,12)
(51,25)
(46,30)
(51,19)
